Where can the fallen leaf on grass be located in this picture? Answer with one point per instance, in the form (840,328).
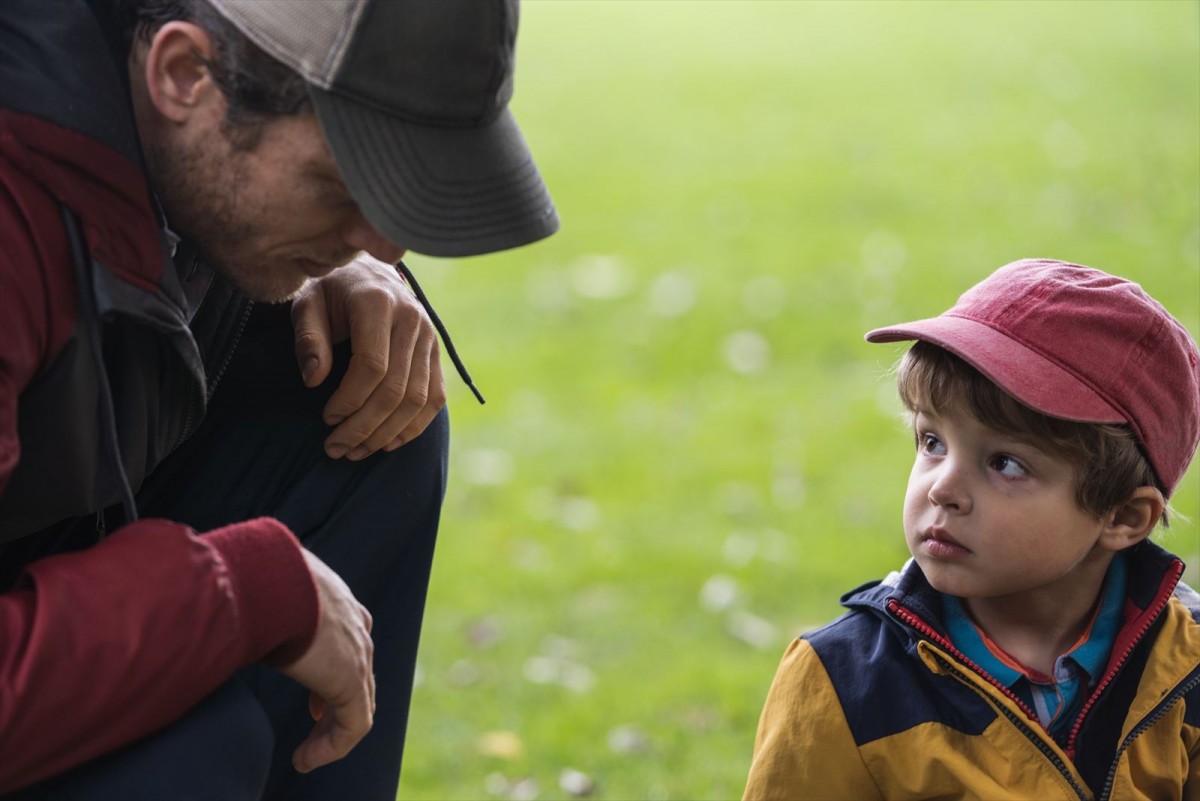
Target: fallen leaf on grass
(501,744)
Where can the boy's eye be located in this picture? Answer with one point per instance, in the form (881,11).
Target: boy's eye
(930,444)
(1007,466)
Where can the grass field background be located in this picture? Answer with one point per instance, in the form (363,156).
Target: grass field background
(688,452)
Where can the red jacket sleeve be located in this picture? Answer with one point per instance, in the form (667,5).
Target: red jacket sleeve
(103,646)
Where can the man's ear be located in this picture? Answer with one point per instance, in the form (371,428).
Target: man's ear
(178,80)
(1133,519)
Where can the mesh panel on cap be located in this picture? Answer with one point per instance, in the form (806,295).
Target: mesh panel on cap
(310,36)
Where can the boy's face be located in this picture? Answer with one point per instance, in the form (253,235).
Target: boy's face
(987,515)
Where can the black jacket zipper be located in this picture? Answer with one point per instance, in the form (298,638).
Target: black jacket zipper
(1155,715)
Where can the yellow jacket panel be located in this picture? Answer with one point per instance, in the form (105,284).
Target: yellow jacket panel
(880,705)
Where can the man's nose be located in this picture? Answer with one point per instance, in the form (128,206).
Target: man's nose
(361,235)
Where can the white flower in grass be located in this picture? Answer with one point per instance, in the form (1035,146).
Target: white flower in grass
(747,352)
(487,467)
(600,277)
(628,739)
(739,548)
(672,294)
(578,513)
(752,629)
(576,677)
(575,783)
(719,593)
(524,790)
(542,670)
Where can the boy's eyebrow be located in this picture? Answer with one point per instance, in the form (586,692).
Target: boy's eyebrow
(1028,442)
(1010,436)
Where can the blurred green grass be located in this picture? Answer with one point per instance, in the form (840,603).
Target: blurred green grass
(688,452)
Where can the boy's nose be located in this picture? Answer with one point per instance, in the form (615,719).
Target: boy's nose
(361,235)
(949,492)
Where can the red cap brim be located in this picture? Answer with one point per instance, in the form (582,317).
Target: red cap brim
(1022,372)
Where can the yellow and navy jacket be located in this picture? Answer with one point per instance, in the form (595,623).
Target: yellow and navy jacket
(879,704)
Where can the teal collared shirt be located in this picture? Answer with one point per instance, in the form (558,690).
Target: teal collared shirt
(1056,699)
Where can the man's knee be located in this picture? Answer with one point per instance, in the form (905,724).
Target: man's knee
(220,750)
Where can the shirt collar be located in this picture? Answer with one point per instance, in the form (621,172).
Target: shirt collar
(1090,653)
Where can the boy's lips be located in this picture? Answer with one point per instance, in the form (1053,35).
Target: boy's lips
(938,543)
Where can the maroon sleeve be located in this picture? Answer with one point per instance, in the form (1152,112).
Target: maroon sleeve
(103,646)
(100,647)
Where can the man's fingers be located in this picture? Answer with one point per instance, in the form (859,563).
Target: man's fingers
(338,671)
(316,706)
(314,348)
(412,391)
(406,430)
(410,410)
(414,428)
(337,733)
(393,386)
(371,328)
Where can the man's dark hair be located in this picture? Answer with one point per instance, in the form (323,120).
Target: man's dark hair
(257,86)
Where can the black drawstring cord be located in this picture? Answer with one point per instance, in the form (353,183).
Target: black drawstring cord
(441,329)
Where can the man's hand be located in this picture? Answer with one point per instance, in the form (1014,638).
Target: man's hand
(337,670)
(394,386)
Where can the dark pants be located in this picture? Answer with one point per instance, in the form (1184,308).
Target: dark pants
(259,452)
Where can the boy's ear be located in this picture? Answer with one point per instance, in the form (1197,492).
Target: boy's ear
(178,80)
(1133,519)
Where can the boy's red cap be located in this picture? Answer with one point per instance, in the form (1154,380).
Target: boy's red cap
(1079,344)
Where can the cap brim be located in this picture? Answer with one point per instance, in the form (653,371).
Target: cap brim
(1022,372)
(437,190)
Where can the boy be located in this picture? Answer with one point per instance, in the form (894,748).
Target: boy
(1037,646)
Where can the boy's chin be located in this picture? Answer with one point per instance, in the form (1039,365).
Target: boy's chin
(945,578)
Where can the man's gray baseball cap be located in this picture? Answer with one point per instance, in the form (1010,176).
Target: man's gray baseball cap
(413,98)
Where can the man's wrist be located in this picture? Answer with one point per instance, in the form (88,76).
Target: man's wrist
(275,593)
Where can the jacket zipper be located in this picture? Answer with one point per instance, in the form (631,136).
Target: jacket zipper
(1147,722)
(237,338)
(1160,603)
(189,419)
(909,617)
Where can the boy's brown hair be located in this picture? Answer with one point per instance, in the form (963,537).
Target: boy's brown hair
(1108,463)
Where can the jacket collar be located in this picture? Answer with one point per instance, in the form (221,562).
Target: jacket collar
(1153,576)
(66,122)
